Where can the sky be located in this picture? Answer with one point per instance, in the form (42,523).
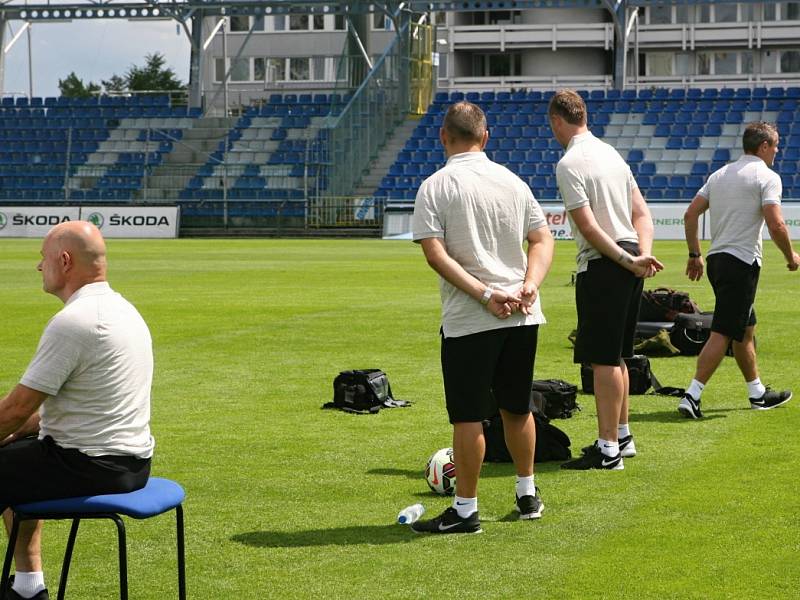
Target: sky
(94,49)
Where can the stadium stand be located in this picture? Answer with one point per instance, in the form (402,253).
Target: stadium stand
(671,138)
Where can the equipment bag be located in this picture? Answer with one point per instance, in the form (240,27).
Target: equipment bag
(664,304)
(554,398)
(640,377)
(551,442)
(363,391)
(691,332)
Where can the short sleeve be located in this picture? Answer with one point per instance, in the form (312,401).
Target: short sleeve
(426,222)
(703,191)
(572,187)
(771,189)
(57,356)
(537,219)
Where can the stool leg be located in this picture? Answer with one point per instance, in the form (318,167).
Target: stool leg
(181,553)
(62,581)
(123,558)
(12,542)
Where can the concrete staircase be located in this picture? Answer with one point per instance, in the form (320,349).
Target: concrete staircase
(386,157)
(188,155)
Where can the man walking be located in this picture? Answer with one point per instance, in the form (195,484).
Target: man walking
(614,232)
(78,422)
(740,197)
(471,218)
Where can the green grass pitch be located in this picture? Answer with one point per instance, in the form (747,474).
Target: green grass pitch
(285,500)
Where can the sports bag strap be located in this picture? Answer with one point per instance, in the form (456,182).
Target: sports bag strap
(665,391)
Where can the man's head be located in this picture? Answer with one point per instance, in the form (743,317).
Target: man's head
(761,139)
(567,113)
(464,129)
(73,254)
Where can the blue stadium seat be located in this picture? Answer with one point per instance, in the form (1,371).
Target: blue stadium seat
(726,93)
(721,154)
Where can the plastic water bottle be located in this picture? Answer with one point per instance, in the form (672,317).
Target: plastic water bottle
(410,514)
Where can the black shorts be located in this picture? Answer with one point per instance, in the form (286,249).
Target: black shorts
(33,470)
(735,283)
(489,370)
(607,297)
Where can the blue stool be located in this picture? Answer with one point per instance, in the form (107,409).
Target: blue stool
(157,497)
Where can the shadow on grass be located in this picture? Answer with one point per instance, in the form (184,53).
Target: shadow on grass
(337,536)
(672,416)
(489,470)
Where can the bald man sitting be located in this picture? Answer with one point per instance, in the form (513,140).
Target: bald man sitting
(78,423)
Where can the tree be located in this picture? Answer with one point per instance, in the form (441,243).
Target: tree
(115,84)
(153,75)
(73,87)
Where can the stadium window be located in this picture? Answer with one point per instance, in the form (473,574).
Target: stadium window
(703,13)
(749,12)
(298,22)
(770,11)
(339,23)
(725,63)
(725,13)
(504,17)
(276,69)
(259,69)
(682,14)
(703,63)
(239,23)
(381,23)
(279,23)
(684,63)
(659,64)
(790,11)
(318,72)
(240,70)
(219,70)
(659,15)
(442,73)
(299,69)
(790,61)
(319,22)
(258,23)
(747,62)
(440,17)
(769,61)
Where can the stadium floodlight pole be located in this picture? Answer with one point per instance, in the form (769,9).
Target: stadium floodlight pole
(214,31)
(30,62)
(17,35)
(351,28)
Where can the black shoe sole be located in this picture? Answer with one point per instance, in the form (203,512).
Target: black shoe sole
(531,516)
(689,413)
(757,407)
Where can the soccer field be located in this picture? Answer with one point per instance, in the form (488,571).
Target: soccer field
(285,500)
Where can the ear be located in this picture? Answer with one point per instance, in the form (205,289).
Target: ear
(442,137)
(485,139)
(65,260)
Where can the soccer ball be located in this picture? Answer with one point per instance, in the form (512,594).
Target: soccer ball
(440,472)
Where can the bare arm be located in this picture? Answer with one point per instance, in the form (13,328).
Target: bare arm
(642,266)
(500,304)
(691,226)
(780,234)
(540,257)
(642,222)
(19,416)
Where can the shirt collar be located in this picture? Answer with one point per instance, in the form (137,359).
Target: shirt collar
(463,157)
(581,137)
(750,158)
(90,289)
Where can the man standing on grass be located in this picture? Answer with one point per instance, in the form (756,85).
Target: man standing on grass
(471,218)
(739,197)
(614,232)
(77,424)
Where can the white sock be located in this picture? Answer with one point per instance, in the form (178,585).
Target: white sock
(695,389)
(755,388)
(623,430)
(465,506)
(525,486)
(608,448)
(28,585)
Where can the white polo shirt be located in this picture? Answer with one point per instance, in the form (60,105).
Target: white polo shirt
(592,173)
(95,361)
(483,212)
(736,194)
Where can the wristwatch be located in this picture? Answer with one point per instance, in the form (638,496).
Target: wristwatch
(487,295)
(694,255)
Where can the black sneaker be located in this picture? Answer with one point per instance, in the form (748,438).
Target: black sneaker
(627,447)
(593,458)
(12,595)
(530,507)
(689,407)
(770,399)
(449,522)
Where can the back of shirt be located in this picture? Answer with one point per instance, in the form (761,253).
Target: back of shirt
(592,173)
(736,195)
(95,361)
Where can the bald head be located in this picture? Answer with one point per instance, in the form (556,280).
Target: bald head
(73,255)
